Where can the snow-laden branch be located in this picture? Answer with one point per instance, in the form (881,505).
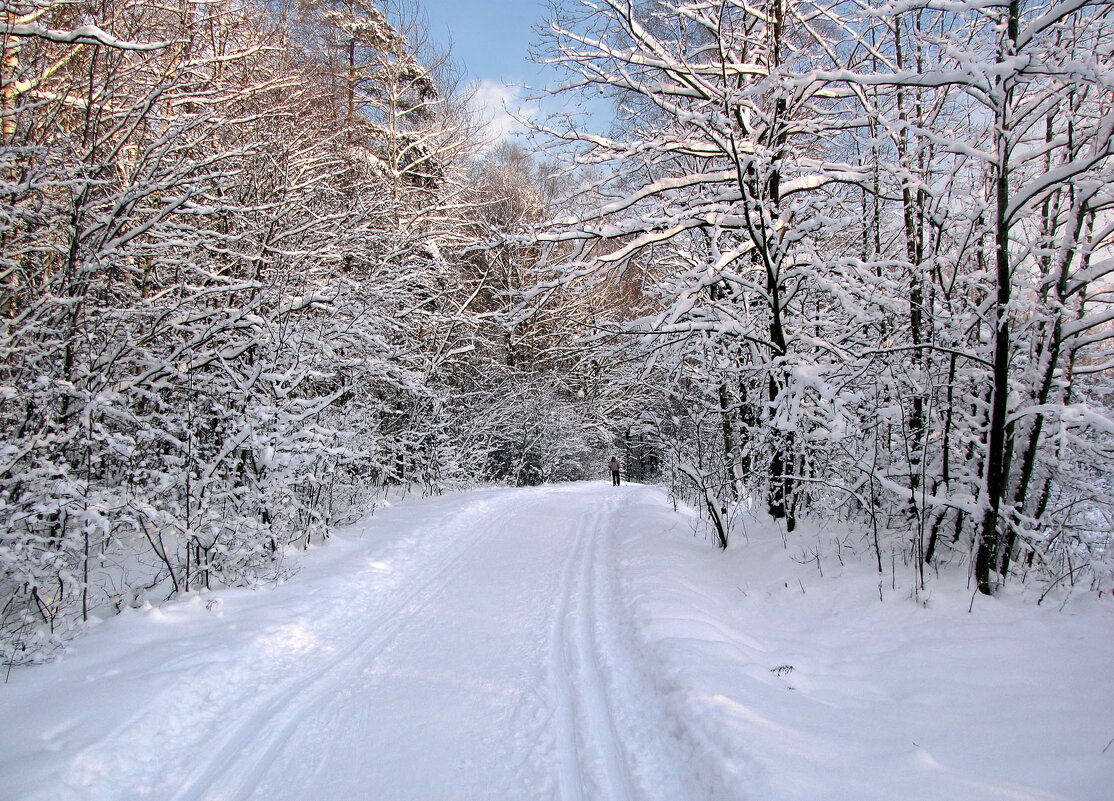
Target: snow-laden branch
(83,34)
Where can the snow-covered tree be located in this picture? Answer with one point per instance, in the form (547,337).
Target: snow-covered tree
(225,306)
(865,234)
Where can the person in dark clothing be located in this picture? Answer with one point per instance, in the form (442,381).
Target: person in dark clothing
(614,465)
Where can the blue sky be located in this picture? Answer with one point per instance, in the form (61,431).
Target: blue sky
(490,38)
(491,41)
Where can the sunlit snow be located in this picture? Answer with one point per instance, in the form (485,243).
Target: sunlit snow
(575,642)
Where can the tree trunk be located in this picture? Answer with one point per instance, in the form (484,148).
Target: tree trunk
(990,540)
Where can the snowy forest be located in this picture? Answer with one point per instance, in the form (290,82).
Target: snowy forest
(259,265)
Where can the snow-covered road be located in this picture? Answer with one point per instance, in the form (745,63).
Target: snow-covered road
(583,643)
(468,652)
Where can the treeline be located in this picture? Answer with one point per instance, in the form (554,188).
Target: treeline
(241,293)
(870,249)
(256,266)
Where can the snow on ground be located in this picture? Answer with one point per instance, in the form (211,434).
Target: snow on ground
(797,684)
(574,642)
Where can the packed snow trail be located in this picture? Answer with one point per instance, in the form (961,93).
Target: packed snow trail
(465,657)
(576,643)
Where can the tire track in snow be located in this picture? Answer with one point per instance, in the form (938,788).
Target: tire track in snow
(244,753)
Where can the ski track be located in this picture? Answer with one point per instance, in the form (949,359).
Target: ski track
(336,686)
(592,761)
(287,710)
(194,764)
(615,737)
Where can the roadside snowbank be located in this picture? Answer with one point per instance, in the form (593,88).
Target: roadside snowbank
(796,685)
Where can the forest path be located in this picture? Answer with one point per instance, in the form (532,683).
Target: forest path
(467,647)
(576,642)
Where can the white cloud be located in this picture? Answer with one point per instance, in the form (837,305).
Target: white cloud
(498,105)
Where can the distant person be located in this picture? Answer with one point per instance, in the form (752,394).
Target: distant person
(614,465)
